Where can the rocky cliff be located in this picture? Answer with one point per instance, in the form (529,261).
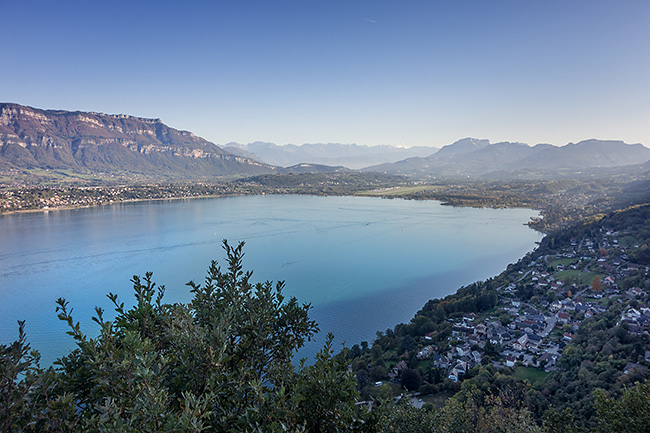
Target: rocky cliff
(85,141)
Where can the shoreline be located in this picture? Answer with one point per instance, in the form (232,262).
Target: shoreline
(134,200)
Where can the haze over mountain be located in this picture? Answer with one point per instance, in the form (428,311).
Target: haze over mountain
(81,141)
(335,154)
(84,142)
(470,157)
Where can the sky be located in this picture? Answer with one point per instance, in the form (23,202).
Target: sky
(399,72)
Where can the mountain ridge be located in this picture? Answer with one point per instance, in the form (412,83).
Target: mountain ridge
(478,158)
(352,156)
(76,140)
(125,146)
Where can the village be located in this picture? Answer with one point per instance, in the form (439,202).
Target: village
(539,312)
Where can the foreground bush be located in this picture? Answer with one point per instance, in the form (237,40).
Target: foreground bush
(222,362)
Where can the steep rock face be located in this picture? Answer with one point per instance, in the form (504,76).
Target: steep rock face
(34,138)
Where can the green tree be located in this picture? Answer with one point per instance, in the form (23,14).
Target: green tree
(631,413)
(378,373)
(223,362)
(411,379)
(30,398)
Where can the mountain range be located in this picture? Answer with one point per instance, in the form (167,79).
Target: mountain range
(348,155)
(126,146)
(471,157)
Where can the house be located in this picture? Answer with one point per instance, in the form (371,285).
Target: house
(563,317)
(634,292)
(494,337)
(397,369)
(534,340)
(536,317)
(526,324)
(459,369)
(474,339)
(461,332)
(510,361)
(547,360)
(469,317)
(440,361)
(521,342)
(568,304)
(463,350)
(632,367)
(480,329)
(426,352)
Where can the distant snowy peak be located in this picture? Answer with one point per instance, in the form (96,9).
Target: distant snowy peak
(352,156)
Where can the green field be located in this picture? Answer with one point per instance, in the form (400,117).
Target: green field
(439,399)
(531,374)
(564,262)
(602,301)
(572,276)
(627,241)
(400,190)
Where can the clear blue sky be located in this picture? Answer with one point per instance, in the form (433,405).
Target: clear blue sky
(352,71)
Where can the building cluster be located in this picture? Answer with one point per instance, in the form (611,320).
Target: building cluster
(563,290)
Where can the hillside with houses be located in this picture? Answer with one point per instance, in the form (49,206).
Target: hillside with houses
(568,318)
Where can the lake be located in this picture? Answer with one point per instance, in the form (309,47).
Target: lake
(365,264)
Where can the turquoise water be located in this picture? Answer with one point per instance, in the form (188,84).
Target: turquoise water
(365,264)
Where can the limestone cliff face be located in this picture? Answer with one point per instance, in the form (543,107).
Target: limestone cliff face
(34,138)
